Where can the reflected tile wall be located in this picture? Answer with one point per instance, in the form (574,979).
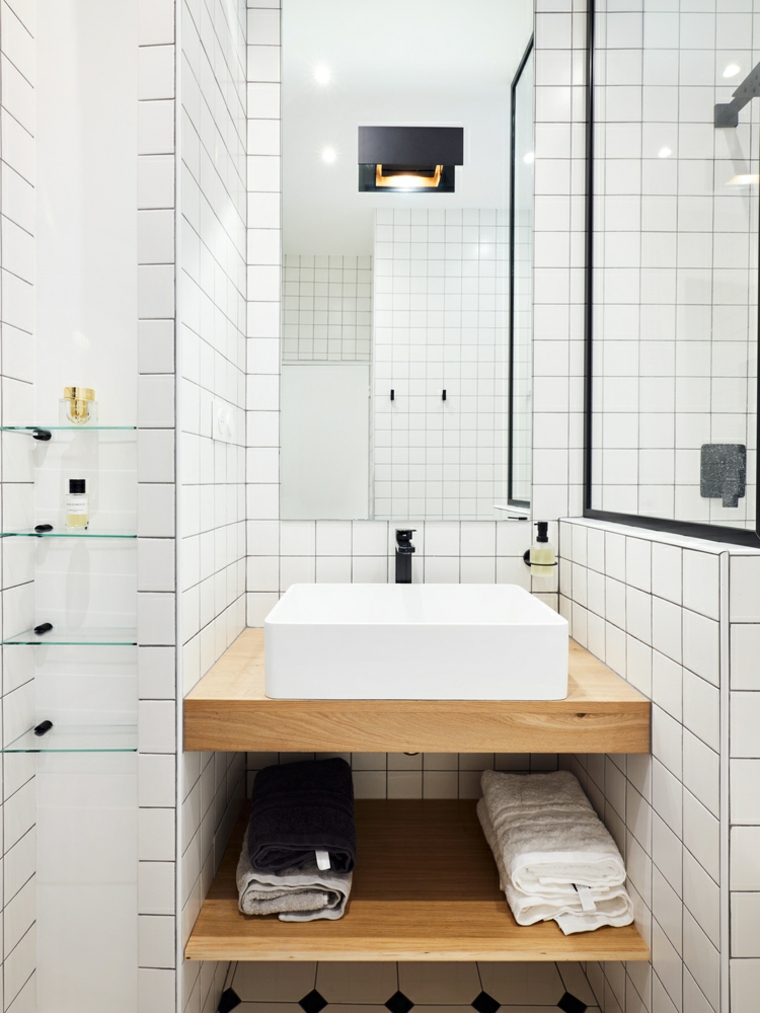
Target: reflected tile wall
(441,324)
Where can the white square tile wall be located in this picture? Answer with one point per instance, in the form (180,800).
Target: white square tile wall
(327,309)
(441,324)
(687,818)
(212,275)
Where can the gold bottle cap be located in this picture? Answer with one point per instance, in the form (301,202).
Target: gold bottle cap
(78,394)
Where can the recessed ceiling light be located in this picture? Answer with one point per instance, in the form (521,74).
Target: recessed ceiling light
(322,74)
(664,153)
(329,155)
(731,70)
(528,158)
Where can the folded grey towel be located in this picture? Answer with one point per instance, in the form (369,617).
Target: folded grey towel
(300,808)
(301,893)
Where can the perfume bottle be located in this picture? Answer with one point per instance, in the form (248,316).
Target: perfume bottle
(78,406)
(77,506)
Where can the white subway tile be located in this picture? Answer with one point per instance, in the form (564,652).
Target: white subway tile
(156,726)
(155,835)
(156,673)
(155,128)
(745,798)
(701,771)
(155,456)
(155,941)
(155,619)
(745,589)
(156,72)
(701,584)
(701,834)
(666,628)
(155,564)
(701,646)
(639,563)
(155,888)
(156,990)
(156,780)
(745,651)
(701,709)
(156,22)
(745,924)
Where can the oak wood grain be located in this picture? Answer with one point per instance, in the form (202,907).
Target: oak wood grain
(229,710)
(425,888)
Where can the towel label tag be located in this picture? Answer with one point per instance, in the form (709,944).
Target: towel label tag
(584,894)
(323,860)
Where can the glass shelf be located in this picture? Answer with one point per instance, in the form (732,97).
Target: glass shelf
(62,636)
(66,534)
(68,429)
(77,739)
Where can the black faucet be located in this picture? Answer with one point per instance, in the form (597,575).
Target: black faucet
(404,552)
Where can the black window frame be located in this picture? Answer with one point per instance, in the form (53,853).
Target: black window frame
(713,532)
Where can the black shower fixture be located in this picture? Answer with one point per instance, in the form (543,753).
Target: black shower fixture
(409,159)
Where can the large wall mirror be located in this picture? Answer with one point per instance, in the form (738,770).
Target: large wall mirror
(397,130)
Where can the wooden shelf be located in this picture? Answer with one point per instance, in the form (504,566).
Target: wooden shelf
(228,710)
(425,888)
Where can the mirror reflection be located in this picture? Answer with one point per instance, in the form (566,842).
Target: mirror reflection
(396,256)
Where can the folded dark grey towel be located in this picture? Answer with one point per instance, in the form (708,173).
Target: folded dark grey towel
(300,808)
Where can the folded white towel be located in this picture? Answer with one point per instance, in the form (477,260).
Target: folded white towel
(555,857)
(607,906)
(302,893)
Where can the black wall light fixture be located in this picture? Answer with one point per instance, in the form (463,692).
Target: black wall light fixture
(409,159)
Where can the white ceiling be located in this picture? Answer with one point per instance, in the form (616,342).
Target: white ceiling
(392,62)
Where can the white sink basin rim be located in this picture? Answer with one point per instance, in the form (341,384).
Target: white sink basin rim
(414,642)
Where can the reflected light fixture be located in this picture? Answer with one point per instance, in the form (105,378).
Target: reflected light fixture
(408,177)
(329,156)
(322,74)
(529,158)
(743,179)
(409,159)
(664,153)
(731,70)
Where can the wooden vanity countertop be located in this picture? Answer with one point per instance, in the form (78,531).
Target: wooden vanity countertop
(228,710)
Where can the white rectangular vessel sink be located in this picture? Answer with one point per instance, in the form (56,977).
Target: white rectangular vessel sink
(414,642)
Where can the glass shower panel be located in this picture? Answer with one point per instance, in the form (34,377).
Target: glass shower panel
(674,379)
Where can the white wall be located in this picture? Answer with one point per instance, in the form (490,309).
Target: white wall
(86,193)
(87,249)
